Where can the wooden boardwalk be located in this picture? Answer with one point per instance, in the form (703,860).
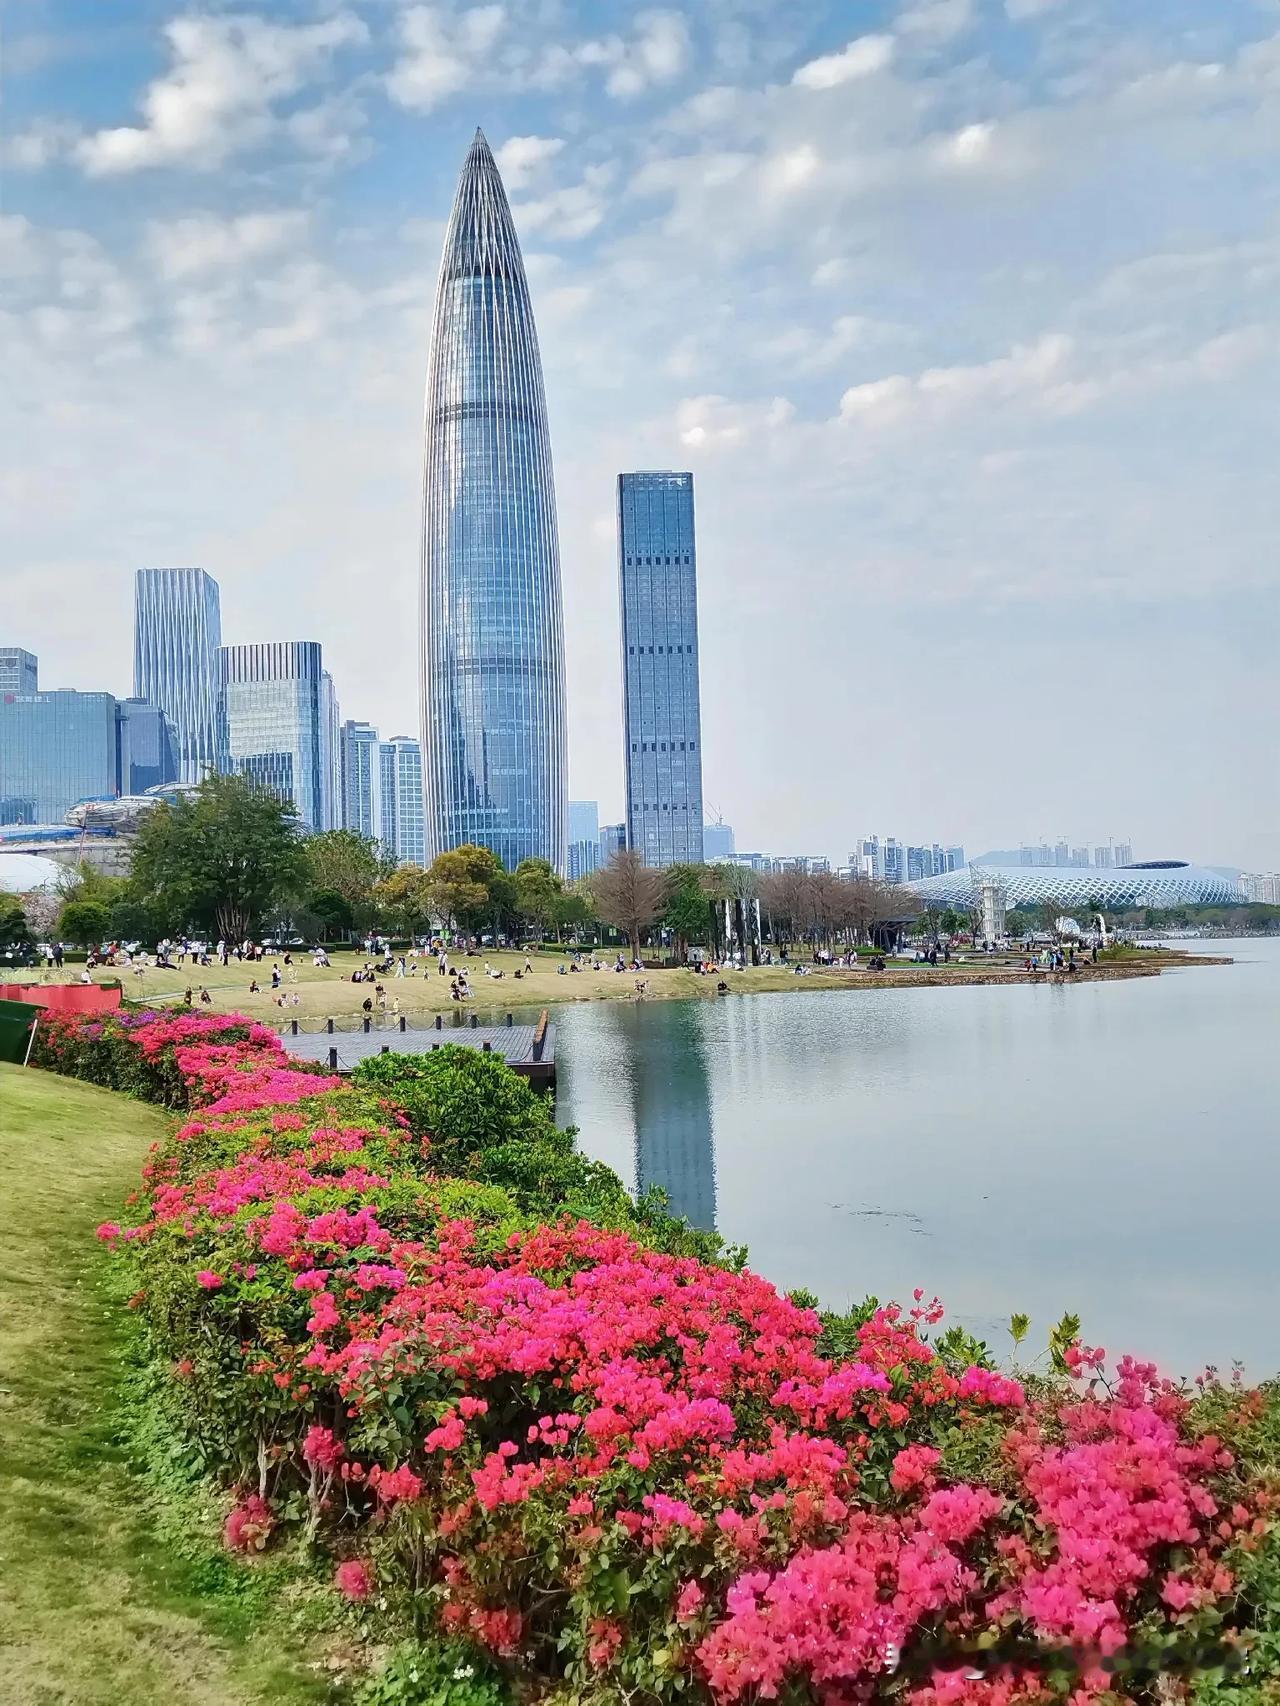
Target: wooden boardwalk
(529,1050)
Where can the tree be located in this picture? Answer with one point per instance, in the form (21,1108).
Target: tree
(686,914)
(405,898)
(629,896)
(343,862)
(331,910)
(468,885)
(14,929)
(538,893)
(86,922)
(218,860)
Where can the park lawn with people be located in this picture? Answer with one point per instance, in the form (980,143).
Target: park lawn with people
(327,991)
(109,1591)
(537,1441)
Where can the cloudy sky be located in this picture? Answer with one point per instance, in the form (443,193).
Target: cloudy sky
(965,314)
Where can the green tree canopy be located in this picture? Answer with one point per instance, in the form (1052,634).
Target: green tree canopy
(343,862)
(687,914)
(87,922)
(14,929)
(538,893)
(332,911)
(404,899)
(469,886)
(217,861)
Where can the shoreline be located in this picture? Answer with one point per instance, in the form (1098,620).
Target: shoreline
(322,996)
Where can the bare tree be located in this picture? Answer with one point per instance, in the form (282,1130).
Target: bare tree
(783,894)
(629,896)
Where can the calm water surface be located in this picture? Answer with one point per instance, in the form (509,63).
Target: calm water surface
(1113,1148)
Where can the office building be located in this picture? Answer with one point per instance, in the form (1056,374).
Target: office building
(1257,887)
(331,760)
(56,749)
(613,839)
(18,670)
(1102,858)
(146,745)
(717,840)
(584,820)
(1122,853)
(492,659)
(867,858)
(662,734)
(955,858)
(400,821)
(1080,856)
(274,707)
(895,862)
(583,854)
(177,630)
(359,773)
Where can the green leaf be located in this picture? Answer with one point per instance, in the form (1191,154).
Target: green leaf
(1018,1327)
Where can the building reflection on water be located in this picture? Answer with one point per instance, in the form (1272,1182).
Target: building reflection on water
(671,1098)
(636,1079)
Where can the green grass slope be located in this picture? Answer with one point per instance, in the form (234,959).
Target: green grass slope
(95,1604)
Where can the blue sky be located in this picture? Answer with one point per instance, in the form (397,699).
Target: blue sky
(963,312)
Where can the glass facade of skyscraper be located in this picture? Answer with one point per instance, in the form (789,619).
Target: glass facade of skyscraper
(177,631)
(331,755)
(55,749)
(274,704)
(358,744)
(492,662)
(400,798)
(662,733)
(18,670)
(147,746)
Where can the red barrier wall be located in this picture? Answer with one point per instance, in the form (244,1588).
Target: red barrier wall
(65,997)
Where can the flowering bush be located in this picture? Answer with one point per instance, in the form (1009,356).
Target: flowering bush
(612,1466)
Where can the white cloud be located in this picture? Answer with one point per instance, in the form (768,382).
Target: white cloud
(1056,376)
(968,147)
(862,57)
(657,53)
(522,157)
(572,212)
(717,423)
(443,52)
(934,21)
(39,146)
(203,242)
(788,171)
(1019,10)
(218,94)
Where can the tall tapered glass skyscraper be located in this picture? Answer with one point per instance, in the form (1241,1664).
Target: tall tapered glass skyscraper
(492,677)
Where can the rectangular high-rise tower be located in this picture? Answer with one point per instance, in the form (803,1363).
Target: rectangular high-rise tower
(276,707)
(662,732)
(18,670)
(177,629)
(400,826)
(359,772)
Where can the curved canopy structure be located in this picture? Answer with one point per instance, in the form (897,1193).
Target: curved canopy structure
(1160,882)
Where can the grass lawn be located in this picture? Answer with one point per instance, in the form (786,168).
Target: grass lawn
(95,1606)
(331,994)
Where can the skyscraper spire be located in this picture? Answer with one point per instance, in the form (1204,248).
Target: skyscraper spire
(492,627)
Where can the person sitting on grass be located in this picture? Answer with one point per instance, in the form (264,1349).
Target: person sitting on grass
(206,1000)
(367,1004)
(253,987)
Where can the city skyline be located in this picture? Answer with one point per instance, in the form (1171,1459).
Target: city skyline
(495,765)
(961,434)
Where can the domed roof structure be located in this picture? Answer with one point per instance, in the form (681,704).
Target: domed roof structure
(1155,882)
(22,872)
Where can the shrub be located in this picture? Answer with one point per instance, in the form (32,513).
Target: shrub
(610,1468)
